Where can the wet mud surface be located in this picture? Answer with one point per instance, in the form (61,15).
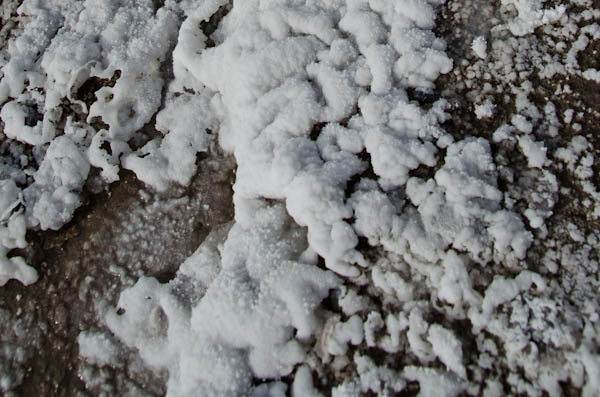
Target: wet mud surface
(119,235)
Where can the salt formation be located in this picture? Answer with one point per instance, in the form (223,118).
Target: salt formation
(62,46)
(362,227)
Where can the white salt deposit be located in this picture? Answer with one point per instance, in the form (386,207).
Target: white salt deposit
(361,224)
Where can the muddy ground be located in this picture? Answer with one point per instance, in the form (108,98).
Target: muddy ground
(120,234)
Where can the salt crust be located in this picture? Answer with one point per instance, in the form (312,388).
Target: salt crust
(307,96)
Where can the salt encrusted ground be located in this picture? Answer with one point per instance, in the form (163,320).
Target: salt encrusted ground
(465,244)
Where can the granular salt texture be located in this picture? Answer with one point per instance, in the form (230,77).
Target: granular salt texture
(62,47)
(361,225)
(285,84)
(479,47)
(287,108)
(18,340)
(252,319)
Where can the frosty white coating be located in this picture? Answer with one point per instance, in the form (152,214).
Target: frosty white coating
(344,184)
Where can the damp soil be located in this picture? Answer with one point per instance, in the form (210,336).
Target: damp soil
(459,29)
(121,233)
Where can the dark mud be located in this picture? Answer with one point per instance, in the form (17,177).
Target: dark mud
(120,234)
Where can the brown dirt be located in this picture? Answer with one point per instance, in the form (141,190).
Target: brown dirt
(88,261)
